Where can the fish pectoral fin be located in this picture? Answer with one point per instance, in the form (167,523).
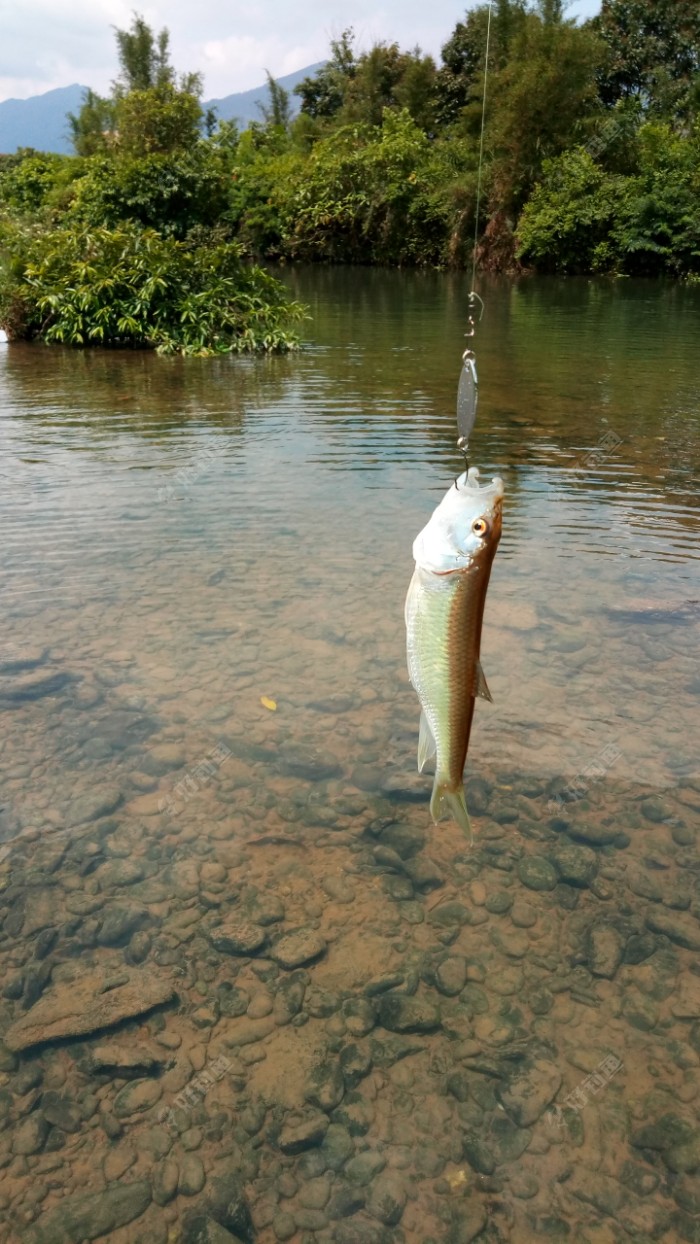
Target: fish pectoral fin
(481,688)
(427,750)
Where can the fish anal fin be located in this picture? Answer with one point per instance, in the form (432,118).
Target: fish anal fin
(426,743)
(480,687)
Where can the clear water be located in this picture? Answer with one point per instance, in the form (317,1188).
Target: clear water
(206,709)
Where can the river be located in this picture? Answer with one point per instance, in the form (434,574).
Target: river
(367,1029)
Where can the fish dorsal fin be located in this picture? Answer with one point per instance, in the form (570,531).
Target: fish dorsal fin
(480,687)
(426,743)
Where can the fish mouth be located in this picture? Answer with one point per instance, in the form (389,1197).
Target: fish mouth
(470,481)
(488,497)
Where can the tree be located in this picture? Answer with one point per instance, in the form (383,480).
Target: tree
(415,89)
(324,95)
(461,76)
(652,53)
(150,109)
(539,102)
(92,130)
(277,112)
(144,57)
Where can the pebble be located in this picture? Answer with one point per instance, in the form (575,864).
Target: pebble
(118,1161)
(137,1097)
(528,1093)
(387,1199)
(451,975)
(604,950)
(165,1180)
(238,936)
(192,1177)
(399,1013)
(361,1170)
(30,1135)
(537,873)
(297,948)
(301,1132)
(284,1226)
(682,929)
(576,866)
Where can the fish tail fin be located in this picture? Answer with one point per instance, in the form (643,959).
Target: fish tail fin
(448,802)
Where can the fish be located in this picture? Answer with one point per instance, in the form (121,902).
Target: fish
(444,611)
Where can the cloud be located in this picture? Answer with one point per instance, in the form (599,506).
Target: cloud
(50,43)
(239,63)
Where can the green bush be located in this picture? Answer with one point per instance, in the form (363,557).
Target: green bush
(581,218)
(132,287)
(363,194)
(30,179)
(170,193)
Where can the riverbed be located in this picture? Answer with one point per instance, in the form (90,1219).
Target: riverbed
(246,981)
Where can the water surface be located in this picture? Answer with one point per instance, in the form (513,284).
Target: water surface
(207,718)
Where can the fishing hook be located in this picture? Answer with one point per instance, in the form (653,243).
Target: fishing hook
(463,447)
(471,322)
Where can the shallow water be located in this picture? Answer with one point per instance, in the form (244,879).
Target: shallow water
(183,540)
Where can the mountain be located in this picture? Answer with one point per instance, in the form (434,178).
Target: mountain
(40,121)
(243,107)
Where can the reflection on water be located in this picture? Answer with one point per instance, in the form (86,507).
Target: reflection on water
(245,979)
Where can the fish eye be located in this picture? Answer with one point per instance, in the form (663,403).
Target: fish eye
(480,526)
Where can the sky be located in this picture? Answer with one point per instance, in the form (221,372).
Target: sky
(50,43)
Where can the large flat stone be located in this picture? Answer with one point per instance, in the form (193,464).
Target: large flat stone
(88,1217)
(88,1004)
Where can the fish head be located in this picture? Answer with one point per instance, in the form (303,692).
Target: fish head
(463,532)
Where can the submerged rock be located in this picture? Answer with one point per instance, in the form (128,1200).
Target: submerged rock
(125,1059)
(537,873)
(576,866)
(89,1216)
(136,1097)
(400,1013)
(87,1004)
(294,949)
(530,1091)
(605,949)
(682,929)
(94,804)
(238,936)
(300,1132)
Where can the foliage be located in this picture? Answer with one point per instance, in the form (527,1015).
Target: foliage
(277,112)
(460,79)
(323,95)
(171,193)
(542,97)
(149,111)
(132,287)
(93,129)
(363,194)
(591,162)
(144,57)
(27,182)
(652,53)
(581,218)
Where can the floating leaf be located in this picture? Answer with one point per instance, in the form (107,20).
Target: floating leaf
(268,703)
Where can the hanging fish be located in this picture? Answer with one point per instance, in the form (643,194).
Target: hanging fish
(444,611)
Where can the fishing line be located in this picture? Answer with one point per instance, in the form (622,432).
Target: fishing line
(468,391)
(481,148)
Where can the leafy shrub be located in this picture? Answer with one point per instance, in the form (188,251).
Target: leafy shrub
(170,193)
(132,287)
(580,218)
(28,180)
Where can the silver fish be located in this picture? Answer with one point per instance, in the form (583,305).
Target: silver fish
(444,610)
